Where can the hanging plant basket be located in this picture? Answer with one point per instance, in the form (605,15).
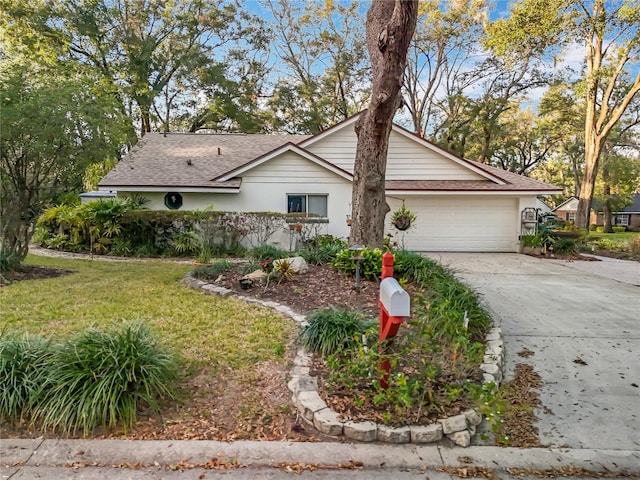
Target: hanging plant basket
(402,218)
(402,223)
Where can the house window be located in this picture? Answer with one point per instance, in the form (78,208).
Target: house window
(173,200)
(301,203)
(622,220)
(571,217)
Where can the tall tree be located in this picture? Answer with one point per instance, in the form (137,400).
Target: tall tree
(54,123)
(322,67)
(446,40)
(390,26)
(144,46)
(612,40)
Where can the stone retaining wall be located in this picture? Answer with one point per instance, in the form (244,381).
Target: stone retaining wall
(459,428)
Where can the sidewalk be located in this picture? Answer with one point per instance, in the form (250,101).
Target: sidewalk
(131,459)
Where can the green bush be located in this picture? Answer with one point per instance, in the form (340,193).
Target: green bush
(213,271)
(24,362)
(566,246)
(600,229)
(9,261)
(268,252)
(634,245)
(408,264)
(531,240)
(593,227)
(321,254)
(618,229)
(332,330)
(370,265)
(102,378)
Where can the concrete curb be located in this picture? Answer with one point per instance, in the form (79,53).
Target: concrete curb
(51,453)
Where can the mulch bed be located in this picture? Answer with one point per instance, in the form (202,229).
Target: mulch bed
(320,287)
(31,272)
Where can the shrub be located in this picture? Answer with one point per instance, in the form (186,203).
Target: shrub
(618,229)
(370,265)
(609,244)
(264,252)
(592,227)
(600,229)
(531,240)
(103,377)
(565,246)
(24,362)
(322,254)
(634,245)
(212,271)
(332,330)
(408,264)
(9,261)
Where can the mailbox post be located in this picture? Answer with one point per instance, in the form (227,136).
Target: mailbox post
(394,305)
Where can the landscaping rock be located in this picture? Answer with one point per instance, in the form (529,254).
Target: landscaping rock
(426,434)
(257,276)
(297,264)
(303,384)
(297,371)
(462,439)
(327,422)
(454,424)
(494,336)
(394,435)
(473,417)
(309,403)
(361,431)
(302,359)
(492,369)
(486,378)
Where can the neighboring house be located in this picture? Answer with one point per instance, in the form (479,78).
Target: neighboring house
(567,209)
(461,205)
(627,217)
(542,207)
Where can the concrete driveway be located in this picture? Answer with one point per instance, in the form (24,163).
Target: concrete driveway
(583,326)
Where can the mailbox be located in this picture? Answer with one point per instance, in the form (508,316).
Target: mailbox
(394,298)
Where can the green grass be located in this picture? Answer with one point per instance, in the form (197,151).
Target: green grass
(204,329)
(626,236)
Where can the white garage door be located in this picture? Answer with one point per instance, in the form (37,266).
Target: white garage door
(463,224)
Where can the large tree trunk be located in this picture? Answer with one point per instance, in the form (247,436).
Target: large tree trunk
(591,157)
(604,105)
(390,26)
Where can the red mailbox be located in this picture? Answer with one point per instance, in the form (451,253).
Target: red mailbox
(395,306)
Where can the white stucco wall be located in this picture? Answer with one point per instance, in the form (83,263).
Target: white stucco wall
(265,188)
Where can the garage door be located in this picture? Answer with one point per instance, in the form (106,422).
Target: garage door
(462,224)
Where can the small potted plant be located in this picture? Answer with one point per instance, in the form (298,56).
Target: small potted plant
(402,218)
(531,244)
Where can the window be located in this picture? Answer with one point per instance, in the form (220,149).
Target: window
(301,203)
(173,200)
(571,216)
(621,220)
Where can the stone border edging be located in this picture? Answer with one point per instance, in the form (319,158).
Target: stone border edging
(304,388)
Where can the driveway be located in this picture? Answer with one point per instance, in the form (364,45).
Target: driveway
(583,326)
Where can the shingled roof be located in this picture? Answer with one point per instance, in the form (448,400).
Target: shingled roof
(203,161)
(190,159)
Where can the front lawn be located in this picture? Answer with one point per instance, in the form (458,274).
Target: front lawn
(227,345)
(625,236)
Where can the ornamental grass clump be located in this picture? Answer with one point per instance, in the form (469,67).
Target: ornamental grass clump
(332,330)
(103,378)
(24,361)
